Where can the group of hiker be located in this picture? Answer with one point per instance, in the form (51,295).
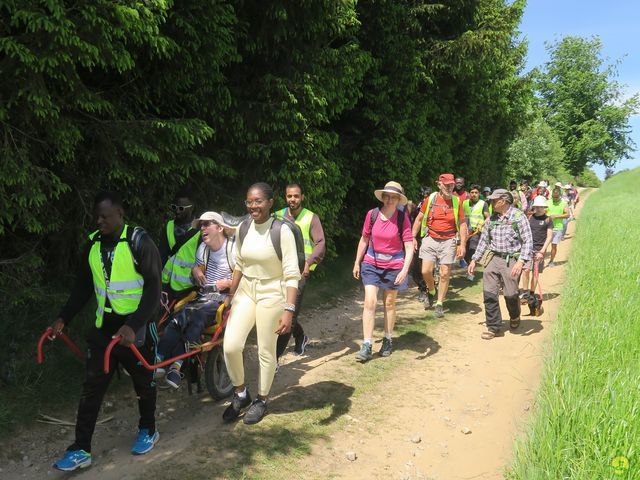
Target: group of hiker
(259,264)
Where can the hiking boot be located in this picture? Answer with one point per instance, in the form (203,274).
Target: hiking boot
(237,404)
(385,349)
(431,300)
(301,343)
(422,297)
(145,442)
(255,412)
(364,354)
(439,311)
(72,460)
(173,378)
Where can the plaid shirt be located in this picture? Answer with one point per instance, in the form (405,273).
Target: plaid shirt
(503,236)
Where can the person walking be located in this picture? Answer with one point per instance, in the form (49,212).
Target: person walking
(383,259)
(508,242)
(440,223)
(416,264)
(558,210)
(314,250)
(178,248)
(121,267)
(541,233)
(476,212)
(459,189)
(262,294)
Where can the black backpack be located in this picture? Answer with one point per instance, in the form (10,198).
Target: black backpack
(274,232)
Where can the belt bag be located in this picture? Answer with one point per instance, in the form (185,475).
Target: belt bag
(486,257)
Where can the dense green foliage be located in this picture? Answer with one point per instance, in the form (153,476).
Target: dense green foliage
(589,398)
(584,105)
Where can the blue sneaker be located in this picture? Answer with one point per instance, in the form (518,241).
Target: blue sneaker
(145,442)
(72,460)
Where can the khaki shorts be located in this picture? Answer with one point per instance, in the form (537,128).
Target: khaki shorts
(444,251)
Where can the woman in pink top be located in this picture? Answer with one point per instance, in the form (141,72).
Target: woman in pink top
(383,259)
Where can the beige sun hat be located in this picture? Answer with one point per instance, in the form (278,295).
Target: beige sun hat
(392,187)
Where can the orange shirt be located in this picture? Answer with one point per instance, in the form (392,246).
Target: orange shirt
(440,220)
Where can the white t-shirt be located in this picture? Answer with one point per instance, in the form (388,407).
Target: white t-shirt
(220,263)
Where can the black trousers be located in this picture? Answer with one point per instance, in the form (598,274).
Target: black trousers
(416,273)
(96,383)
(186,327)
(296,328)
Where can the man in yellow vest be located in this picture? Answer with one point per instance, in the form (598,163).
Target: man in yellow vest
(477,212)
(122,270)
(314,250)
(178,248)
(441,223)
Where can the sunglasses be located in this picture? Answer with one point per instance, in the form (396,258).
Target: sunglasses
(208,223)
(179,208)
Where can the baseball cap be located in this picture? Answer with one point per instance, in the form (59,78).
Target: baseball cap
(211,217)
(447,179)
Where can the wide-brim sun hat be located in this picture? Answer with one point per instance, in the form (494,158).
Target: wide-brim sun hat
(540,201)
(543,184)
(392,187)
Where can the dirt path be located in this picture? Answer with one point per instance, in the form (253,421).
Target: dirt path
(409,426)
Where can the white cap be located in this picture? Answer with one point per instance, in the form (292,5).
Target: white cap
(543,184)
(540,201)
(559,184)
(210,216)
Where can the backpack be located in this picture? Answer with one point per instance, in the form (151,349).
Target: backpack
(274,233)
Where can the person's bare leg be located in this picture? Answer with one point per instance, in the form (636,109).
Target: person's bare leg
(427,274)
(389,297)
(443,286)
(369,311)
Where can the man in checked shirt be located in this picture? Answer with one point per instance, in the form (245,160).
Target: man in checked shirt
(507,238)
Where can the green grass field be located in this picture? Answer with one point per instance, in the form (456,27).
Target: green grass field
(587,419)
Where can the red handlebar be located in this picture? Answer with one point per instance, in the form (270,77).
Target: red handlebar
(47,336)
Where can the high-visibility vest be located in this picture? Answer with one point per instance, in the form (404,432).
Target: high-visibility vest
(304,222)
(474,214)
(171,236)
(123,288)
(456,207)
(177,270)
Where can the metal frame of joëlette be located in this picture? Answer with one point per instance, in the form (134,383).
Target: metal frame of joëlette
(205,347)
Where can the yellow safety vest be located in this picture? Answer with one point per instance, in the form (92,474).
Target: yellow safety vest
(304,222)
(475,215)
(456,207)
(177,271)
(124,285)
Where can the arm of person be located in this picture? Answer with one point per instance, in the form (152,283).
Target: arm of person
(150,268)
(291,276)
(526,250)
(464,232)
(417,223)
(316,233)
(483,244)
(547,242)
(197,272)
(407,241)
(362,248)
(80,294)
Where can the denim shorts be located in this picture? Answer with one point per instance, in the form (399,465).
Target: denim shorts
(382,277)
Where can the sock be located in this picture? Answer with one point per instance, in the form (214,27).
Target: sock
(439,303)
(242,394)
(387,336)
(432,292)
(368,340)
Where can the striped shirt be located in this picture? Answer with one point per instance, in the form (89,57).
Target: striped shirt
(500,236)
(219,263)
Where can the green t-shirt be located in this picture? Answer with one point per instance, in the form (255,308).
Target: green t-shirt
(557,209)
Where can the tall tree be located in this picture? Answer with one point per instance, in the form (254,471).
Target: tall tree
(584,104)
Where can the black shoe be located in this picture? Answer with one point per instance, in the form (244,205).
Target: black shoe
(255,412)
(301,343)
(431,300)
(237,404)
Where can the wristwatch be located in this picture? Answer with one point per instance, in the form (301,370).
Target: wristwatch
(290,307)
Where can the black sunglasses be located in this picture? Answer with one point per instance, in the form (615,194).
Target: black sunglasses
(179,208)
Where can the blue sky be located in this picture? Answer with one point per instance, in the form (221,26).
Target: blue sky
(615,22)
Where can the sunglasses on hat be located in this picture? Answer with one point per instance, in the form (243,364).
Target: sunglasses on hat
(179,208)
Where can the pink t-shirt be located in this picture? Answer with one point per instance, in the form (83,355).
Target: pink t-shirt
(389,250)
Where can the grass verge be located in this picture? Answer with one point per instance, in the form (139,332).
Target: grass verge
(586,421)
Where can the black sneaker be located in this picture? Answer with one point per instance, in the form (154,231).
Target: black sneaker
(439,311)
(301,343)
(385,349)
(237,404)
(255,412)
